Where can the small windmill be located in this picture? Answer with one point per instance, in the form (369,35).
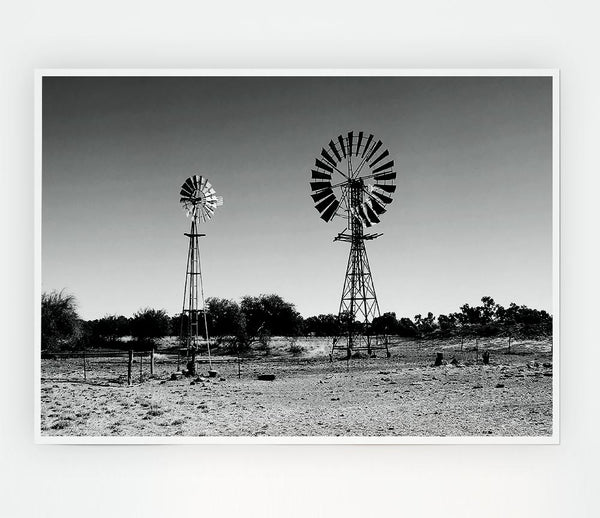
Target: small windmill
(353,178)
(199,200)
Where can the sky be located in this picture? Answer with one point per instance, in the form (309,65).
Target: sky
(471,216)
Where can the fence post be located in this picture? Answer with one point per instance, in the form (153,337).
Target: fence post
(129,366)
(141,366)
(84,366)
(152,362)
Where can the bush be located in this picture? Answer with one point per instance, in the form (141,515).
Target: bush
(149,324)
(60,322)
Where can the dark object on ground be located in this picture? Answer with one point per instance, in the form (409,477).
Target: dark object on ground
(454,361)
(439,358)
(266,377)
(176,375)
(478,387)
(547,365)
(212,374)
(500,385)
(191,367)
(485,356)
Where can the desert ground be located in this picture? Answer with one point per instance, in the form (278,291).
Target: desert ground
(404,395)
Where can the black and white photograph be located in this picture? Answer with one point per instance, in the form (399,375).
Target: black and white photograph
(297,256)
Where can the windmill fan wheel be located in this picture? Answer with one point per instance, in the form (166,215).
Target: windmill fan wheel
(353,177)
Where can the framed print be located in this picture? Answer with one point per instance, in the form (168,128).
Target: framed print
(297,256)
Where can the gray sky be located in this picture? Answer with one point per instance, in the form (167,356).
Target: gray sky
(472,214)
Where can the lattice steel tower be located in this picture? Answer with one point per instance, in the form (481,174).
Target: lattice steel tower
(199,200)
(339,189)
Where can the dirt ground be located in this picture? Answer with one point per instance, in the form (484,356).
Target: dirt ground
(400,396)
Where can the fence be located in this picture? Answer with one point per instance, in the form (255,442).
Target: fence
(128,367)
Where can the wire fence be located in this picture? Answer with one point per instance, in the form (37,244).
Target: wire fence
(131,367)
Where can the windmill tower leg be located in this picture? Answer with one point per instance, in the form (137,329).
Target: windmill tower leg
(192,307)
(358,305)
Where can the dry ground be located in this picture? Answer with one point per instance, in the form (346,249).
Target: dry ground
(400,396)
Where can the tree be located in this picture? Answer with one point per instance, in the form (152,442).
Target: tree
(225,317)
(110,328)
(149,324)
(322,325)
(447,324)
(60,322)
(425,325)
(270,314)
(386,324)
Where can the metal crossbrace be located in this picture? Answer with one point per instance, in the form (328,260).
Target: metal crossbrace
(358,303)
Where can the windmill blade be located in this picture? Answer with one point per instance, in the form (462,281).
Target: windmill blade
(377,207)
(384,166)
(382,197)
(335,151)
(360,137)
(185,192)
(385,187)
(219,201)
(188,184)
(343,147)
(321,206)
(328,157)
(374,150)
(368,143)
(317,186)
(330,211)
(391,175)
(350,137)
(317,175)
(379,158)
(363,216)
(372,216)
(321,194)
(323,165)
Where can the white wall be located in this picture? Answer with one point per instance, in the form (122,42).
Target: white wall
(312,480)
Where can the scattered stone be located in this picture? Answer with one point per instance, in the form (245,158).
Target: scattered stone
(547,365)
(548,373)
(192,382)
(221,379)
(384,372)
(266,377)
(176,376)
(477,386)
(335,399)
(212,374)
(500,385)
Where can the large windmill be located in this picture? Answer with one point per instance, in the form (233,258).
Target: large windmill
(199,200)
(353,178)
